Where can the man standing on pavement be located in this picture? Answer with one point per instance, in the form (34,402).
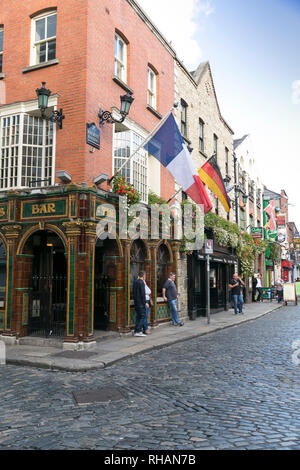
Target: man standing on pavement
(170,295)
(236,285)
(139,297)
(259,288)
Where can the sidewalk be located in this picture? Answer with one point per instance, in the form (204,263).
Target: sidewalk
(115,348)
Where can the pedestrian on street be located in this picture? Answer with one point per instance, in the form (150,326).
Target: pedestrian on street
(236,285)
(254,284)
(259,288)
(149,303)
(139,297)
(170,295)
(279,289)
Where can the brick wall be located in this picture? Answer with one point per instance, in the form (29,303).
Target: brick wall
(83,77)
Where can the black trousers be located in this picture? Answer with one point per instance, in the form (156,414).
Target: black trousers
(259,294)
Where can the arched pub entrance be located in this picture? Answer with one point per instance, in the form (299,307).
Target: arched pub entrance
(47,279)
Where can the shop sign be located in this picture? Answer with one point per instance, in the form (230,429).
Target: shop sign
(104,211)
(281,220)
(93,135)
(296,242)
(257,232)
(40,209)
(3,211)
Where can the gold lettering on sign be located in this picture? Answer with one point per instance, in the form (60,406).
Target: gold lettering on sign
(43,209)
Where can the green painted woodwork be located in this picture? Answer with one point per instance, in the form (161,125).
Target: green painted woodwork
(9,285)
(44,208)
(3,212)
(91,288)
(163,312)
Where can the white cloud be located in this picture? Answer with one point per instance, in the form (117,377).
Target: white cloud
(177,20)
(296,92)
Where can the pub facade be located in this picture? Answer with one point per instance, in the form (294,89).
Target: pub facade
(60,279)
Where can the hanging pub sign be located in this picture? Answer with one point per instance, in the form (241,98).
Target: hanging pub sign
(209,247)
(280,219)
(257,232)
(93,135)
(296,242)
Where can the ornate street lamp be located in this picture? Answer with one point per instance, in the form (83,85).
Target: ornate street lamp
(43,96)
(106,116)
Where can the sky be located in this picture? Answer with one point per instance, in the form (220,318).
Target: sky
(253,47)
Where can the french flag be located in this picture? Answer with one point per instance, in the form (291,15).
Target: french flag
(167,145)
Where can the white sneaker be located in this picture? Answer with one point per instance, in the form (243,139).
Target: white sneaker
(139,334)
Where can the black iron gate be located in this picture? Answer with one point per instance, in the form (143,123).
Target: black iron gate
(101,302)
(47,315)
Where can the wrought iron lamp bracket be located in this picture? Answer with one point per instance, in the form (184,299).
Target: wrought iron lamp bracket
(106,116)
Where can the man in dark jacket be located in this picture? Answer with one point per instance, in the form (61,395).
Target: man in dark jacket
(139,297)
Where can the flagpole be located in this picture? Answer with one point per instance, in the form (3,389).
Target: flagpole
(174,195)
(143,143)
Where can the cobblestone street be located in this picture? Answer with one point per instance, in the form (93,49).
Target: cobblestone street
(233,389)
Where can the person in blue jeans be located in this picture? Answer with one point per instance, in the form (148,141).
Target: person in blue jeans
(170,296)
(238,300)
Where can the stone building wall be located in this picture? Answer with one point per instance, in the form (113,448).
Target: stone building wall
(197,90)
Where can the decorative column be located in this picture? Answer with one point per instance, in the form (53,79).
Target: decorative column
(153,250)
(11,323)
(126,306)
(73,231)
(87,283)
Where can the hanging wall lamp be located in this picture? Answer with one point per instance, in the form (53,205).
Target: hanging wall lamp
(106,116)
(43,96)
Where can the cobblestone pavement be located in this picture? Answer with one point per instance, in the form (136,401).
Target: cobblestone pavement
(233,389)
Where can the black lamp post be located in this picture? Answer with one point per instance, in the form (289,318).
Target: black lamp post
(106,116)
(43,96)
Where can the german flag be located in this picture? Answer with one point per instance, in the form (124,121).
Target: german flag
(211,175)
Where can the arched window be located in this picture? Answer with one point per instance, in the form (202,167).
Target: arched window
(163,258)
(138,255)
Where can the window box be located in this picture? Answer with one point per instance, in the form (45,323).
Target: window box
(2,75)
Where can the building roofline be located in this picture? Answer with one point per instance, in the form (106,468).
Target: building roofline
(146,19)
(190,75)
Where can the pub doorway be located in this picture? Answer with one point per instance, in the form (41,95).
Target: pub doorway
(48,296)
(106,252)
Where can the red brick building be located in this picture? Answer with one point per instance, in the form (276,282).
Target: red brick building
(89,53)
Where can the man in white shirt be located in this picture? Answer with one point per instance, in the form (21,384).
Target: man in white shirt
(259,288)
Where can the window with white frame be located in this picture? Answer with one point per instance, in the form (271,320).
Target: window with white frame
(1,48)
(43,38)
(126,142)
(27,151)
(152,87)
(120,58)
